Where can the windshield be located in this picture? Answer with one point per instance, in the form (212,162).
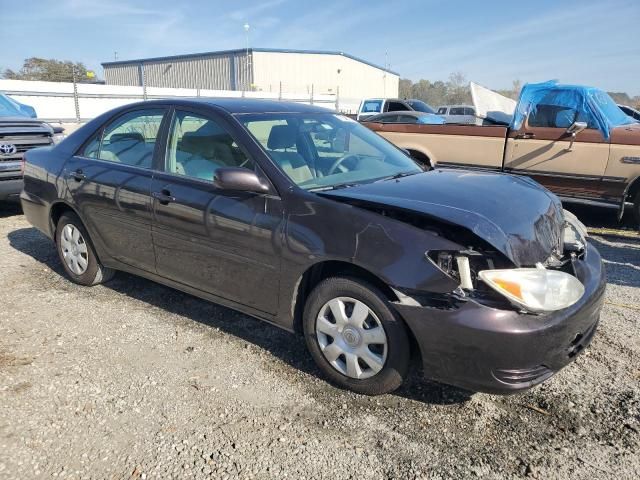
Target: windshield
(319,150)
(420,106)
(610,109)
(372,106)
(8,108)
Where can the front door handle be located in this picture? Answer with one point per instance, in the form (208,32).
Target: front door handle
(164,197)
(526,135)
(77,175)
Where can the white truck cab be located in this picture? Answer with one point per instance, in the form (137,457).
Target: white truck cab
(374,106)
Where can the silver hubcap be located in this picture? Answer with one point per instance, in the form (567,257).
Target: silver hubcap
(74,249)
(351,337)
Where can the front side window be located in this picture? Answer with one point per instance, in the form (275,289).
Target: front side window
(442,111)
(324,150)
(557,116)
(130,139)
(198,146)
(397,107)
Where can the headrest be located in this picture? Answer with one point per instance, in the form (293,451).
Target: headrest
(282,136)
(128,136)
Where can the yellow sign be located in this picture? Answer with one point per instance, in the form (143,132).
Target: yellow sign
(90,74)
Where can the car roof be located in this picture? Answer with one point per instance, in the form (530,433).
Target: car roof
(403,112)
(242,105)
(456,106)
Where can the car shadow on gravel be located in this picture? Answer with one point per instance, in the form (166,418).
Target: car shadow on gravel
(622,260)
(289,348)
(10,209)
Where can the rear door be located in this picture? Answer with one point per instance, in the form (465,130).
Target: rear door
(542,149)
(110,181)
(220,242)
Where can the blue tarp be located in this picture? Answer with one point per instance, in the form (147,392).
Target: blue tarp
(12,108)
(588,104)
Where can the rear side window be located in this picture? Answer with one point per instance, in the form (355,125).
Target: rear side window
(407,119)
(457,111)
(130,139)
(388,119)
(469,111)
(199,145)
(92,149)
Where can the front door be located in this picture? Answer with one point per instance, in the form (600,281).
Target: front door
(542,150)
(110,181)
(221,242)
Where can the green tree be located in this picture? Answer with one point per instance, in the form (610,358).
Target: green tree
(404,88)
(48,70)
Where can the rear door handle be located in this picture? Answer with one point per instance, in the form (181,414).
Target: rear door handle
(77,175)
(526,135)
(164,197)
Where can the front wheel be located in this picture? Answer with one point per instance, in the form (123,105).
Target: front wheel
(354,336)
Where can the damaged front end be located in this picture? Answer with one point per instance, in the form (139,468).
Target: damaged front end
(490,278)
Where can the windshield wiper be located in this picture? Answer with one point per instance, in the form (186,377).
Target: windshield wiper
(332,187)
(399,175)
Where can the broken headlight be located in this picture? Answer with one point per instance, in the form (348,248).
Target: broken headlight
(535,289)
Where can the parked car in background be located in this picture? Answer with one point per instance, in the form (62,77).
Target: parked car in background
(19,133)
(572,139)
(373,106)
(420,106)
(406,117)
(632,112)
(465,114)
(310,221)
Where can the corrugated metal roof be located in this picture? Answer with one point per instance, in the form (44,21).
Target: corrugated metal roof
(243,51)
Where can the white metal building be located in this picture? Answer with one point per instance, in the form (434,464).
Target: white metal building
(260,69)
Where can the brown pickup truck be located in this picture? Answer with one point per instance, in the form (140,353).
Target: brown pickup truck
(574,140)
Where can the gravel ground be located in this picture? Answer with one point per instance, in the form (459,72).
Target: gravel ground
(135,380)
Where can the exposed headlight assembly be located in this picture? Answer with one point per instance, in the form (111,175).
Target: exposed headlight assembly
(535,290)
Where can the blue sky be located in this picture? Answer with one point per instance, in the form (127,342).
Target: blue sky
(493,43)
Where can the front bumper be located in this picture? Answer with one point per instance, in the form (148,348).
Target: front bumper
(10,189)
(503,351)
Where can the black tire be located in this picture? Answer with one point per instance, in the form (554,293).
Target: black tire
(636,209)
(95,272)
(395,368)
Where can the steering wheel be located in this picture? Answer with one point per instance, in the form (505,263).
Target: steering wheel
(340,161)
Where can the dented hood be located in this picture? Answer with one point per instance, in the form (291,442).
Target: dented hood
(513,214)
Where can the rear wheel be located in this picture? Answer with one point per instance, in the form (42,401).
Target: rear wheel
(355,337)
(77,254)
(636,209)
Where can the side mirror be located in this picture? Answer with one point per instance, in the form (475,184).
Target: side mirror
(239,179)
(574,129)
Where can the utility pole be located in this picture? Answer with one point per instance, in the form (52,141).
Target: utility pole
(247,62)
(76,101)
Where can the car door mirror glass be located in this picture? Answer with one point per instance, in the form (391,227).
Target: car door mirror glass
(239,179)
